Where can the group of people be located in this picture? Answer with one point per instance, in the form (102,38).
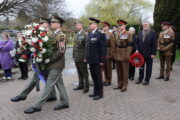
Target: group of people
(98,49)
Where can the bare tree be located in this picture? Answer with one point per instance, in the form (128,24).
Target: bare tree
(46,8)
(9,7)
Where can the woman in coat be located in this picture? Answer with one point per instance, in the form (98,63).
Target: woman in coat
(6,61)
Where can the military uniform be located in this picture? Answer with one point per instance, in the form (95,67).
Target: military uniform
(122,54)
(78,56)
(55,66)
(165,45)
(95,54)
(35,79)
(109,54)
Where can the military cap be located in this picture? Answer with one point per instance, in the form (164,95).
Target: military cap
(78,22)
(94,20)
(57,19)
(104,24)
(165,23)
(43,20)
(121,22)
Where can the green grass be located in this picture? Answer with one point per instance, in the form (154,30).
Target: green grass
(178,55)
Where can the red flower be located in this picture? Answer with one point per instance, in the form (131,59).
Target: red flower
(40,41)
(36,46)
(35,55)
(37,27)
(43,34)
(32,44)
(25,56)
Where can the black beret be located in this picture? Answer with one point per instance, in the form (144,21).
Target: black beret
(94,20)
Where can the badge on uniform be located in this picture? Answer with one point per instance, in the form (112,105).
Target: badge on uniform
(81,38)
(93,40)
(61,47)
(167,36)
(107,37)
(123,37)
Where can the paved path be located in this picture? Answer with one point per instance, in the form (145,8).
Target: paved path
(158,101)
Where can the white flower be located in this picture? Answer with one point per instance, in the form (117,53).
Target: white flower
(28,32)
(43,51)
(24,47)
(45,39)
(41,45)
(34,39)
(29,41)
(42,28)
(38,60)
(35,24)
(32,49)
(28,26)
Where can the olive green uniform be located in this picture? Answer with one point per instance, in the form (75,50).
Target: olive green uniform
(78,56)
(55,68)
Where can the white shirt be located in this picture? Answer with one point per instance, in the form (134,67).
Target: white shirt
(80,32)
(94,30)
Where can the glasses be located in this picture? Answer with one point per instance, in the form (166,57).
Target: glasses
(120,25)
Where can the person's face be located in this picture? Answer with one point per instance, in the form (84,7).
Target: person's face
(19,35)
(105,28)
(45,25)
(92,26)
(79,27)
(132,31)
(164,27)
(122,27)
(5,38)
(114,29)
(146,26)
(55,25)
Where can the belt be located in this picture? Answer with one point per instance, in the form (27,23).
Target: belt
(129,44)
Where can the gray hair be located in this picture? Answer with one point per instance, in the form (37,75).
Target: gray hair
(132,29)
(146,22)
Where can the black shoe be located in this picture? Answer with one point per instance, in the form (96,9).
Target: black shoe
(51,99)
(78,88)
(117,88)
(31,110)
(92,95)
(131,78)
(138,82)
(97,97)
(24,78)
(145,83)
(17,99)
(59,107)
(20,78)
(166,79)
(107,84)
(85,90)
(160,77)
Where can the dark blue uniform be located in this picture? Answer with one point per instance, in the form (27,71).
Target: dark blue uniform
(95,54)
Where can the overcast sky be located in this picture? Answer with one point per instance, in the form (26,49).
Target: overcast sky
(78,6)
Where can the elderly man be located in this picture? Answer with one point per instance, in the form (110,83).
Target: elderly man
(147,46)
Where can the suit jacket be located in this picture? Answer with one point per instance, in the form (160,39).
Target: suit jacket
(166,42)
(96,48)
(147,47)
(79,46)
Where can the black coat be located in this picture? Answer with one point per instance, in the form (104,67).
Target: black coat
(149,46)
(96,48)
